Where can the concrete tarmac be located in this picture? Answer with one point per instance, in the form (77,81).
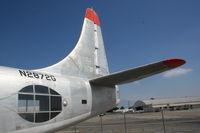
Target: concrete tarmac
(185,121)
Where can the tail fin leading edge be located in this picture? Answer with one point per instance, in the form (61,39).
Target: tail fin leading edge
(88,58)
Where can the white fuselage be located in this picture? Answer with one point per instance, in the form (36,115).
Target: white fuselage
(72,90)
(79,100)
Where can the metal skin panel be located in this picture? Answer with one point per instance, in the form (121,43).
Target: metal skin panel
(82,79)
(70,79)
(82,61)
(104,98)
(72,89)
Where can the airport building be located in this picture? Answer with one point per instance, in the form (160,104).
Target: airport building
(154,105)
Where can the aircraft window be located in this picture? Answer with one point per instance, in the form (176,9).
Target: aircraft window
(53,92)
(27,89)
(26,103)
(54,105)
(27,116)
(41,89)
(84,101)
(54,114)
(41,117)
(38,103)
(42,102)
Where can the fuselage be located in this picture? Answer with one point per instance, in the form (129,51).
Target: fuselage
(74,89)
(47,102)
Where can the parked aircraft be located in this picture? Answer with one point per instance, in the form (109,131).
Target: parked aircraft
(70,91)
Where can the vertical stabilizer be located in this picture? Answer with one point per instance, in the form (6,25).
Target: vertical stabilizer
(88,58)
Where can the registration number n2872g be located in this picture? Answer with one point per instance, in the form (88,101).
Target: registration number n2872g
(29,74)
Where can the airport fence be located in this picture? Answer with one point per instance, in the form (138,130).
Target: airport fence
(157,122)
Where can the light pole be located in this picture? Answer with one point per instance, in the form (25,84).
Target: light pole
(75,129)
(101,122)
(163,121)
(125,128)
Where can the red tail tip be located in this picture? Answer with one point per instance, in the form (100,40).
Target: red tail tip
(172,63)
(92,15)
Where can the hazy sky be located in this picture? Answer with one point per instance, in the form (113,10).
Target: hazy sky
(39,33)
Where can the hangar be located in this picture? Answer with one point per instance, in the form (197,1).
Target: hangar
(154,105)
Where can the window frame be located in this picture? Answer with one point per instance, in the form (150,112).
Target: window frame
(36,109)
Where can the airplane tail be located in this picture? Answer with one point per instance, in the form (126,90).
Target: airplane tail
(88,58)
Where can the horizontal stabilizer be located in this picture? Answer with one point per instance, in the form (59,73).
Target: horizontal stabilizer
(137,73)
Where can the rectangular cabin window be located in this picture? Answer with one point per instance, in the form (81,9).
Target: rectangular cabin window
(42,103)
(54,103)
(41,117)
(41,89)
(84,101)
(26,103)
